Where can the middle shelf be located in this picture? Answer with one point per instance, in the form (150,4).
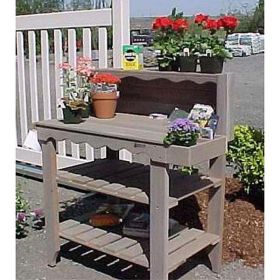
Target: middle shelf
(131,181)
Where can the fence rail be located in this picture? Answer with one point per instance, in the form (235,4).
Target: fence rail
(37,92)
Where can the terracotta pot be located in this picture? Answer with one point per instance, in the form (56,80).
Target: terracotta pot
(104,104)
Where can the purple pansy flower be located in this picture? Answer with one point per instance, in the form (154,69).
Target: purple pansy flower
(21,217)
(183,124)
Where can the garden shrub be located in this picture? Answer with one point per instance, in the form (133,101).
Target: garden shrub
(22,207)
(246,154)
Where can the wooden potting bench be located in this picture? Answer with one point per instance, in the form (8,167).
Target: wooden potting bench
(154,183)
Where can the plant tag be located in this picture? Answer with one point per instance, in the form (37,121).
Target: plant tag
(186,52)
(31,141)
(208,53)
(60,104)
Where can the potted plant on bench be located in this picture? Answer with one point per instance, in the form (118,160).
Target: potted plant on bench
(76,89)
(104,94)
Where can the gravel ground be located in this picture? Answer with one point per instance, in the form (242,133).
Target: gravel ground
(30,255)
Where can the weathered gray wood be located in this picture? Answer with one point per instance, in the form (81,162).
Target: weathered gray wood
(120,245)
(216,211)
(132,252)
(105,239)
(75,230)
(179,256)
(183,238)
(92,234)
(50,200)
(67,224)
(159,216)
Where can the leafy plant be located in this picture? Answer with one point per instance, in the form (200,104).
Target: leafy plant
(182,132)
(22,208)
(246,154)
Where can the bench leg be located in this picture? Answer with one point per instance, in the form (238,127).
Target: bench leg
(159,216)
(51,201)
(216,212)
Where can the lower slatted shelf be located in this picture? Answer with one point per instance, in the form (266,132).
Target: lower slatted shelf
(131,181)
(181,246)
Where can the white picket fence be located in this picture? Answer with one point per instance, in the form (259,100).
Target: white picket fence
(117,17)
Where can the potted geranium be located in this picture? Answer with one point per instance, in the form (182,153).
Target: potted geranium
(182,132)
(169,32)
(104,94)
(210,44)
(76,89)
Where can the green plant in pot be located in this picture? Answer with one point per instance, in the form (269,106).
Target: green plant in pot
(182,132)
(168,35)
(210,37)
(76,89)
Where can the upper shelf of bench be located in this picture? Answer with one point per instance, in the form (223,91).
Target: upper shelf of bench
(172,76)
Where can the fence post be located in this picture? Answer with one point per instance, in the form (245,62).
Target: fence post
(121,29)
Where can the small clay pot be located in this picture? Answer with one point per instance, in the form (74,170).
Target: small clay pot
(104,104)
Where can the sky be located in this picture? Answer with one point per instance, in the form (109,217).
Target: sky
(139,8)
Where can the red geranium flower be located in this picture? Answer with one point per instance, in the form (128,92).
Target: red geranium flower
(211,24)
(228,22)
(200,18)
(105,78)
(162,22)
(180,24)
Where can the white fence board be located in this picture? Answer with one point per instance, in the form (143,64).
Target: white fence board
(33,76)
(58,59)
(46,74)
(86,18)
(21,85)
(72,48)
(103,47)
(87,53)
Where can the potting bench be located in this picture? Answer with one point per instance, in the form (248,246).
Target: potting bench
(154,184)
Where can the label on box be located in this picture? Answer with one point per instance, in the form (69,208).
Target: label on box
(132,58)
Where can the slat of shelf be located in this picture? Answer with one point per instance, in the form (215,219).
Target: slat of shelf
(105,240)
(79,228)
(132,252)
(68,224)
(120,245)
(179,256)
(92,234)
(183,238)
(141,260)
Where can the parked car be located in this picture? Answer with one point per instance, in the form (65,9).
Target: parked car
(141,37)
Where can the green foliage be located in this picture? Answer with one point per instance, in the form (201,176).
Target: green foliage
(246,153)
(182,138)
(22,207)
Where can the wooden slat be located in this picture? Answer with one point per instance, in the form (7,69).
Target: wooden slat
(141,260)
(120,245)
(132,252)
(75,230)
(72,48)
(105,239)
(46,74)
(33,76)
(100,17)
(92,234)
(117,31)
(183,238)
(87,53)
(182,254)
(21,86)
(67,224)
(58,59)
(102,46)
